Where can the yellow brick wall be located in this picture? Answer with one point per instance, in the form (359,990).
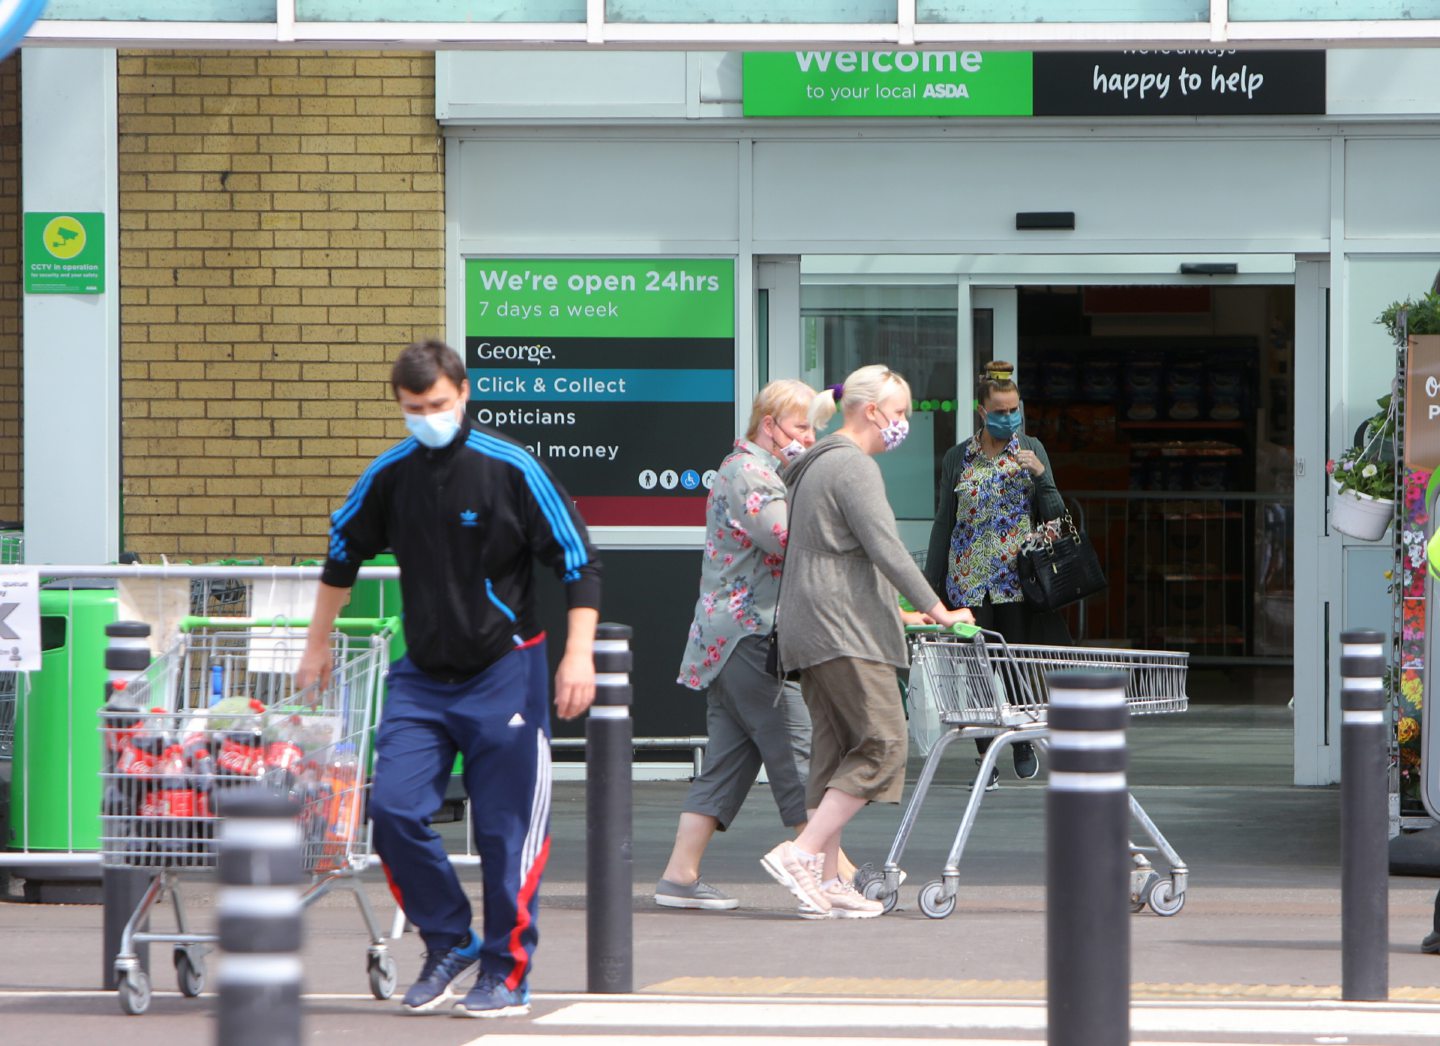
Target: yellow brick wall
(282,233)
(11,469)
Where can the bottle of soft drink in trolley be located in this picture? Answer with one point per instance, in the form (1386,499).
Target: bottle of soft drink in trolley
(283,754)
(342,823)
(241,758)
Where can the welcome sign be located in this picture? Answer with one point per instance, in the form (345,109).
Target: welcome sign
(887,83)
(1015,83)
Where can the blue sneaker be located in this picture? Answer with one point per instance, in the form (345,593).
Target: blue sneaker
(442,967)
(490,998)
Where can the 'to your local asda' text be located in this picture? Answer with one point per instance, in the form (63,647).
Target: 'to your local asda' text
(886,62)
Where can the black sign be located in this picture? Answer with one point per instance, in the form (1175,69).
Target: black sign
(1180,83)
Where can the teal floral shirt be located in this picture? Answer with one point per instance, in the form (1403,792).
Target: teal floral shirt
(745,537)
(992,517)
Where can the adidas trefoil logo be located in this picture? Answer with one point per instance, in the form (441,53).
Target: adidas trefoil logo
(469,518)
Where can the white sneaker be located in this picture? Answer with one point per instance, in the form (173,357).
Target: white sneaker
(848,903)
(798,874)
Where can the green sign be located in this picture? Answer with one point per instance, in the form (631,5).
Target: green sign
(887,83)
(617,373)
(600,297)
(64,252)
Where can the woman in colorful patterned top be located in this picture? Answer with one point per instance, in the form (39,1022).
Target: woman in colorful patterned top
(994,488)
(752,718)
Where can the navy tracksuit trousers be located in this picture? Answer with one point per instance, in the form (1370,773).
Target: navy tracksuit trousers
(499,721)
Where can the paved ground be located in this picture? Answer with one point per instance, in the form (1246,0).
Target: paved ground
(1250,958)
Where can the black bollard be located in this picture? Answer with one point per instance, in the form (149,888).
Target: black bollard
(609,945)
(261,867)
(1087,861)
(1364,818)
(127,654)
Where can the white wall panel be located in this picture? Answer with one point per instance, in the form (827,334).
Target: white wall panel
(1390,187)
(606,191)
(1205,189)
(473,85)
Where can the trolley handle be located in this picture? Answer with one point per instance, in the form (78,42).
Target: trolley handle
(351,626)
(960,629)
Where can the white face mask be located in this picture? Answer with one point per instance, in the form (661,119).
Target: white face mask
(893,433)
(433,430)
(790,451)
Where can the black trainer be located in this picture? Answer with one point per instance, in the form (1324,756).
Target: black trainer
(1027,763)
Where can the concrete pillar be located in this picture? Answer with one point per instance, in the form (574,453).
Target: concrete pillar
(72,341)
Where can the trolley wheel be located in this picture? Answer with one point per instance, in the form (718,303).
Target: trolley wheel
(875,891)
(189,973)
(1163,900)
(1141,891)
(933,901)
(383,974)
(135,993)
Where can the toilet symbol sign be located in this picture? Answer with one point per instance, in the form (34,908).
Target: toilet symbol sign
(20,619)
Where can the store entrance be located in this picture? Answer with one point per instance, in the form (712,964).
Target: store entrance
(1167,412)
(1168,415)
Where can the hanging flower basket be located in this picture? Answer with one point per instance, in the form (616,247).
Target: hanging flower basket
(1360,515)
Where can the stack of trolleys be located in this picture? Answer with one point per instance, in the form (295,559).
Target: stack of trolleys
(984,687)
(217,713)
(12,552)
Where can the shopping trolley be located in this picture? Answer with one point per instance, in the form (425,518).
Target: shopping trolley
(215,714)
(9,681)
(982,686)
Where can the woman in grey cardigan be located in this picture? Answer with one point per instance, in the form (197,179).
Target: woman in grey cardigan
(994,489)
(839,625)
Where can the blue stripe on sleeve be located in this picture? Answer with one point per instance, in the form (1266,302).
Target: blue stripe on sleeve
(548,498)
(347,511)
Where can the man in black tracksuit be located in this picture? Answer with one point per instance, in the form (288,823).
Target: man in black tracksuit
(467,512)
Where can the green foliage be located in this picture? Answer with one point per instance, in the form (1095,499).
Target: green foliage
(1420,317)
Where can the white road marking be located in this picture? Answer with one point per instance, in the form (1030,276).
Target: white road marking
(1315,1018)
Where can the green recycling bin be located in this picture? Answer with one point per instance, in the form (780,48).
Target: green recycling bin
(55,788)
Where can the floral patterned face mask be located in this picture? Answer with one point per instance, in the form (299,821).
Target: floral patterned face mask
(893,433)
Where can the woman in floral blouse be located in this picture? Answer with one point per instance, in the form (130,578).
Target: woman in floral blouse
(752,719)
(994,487)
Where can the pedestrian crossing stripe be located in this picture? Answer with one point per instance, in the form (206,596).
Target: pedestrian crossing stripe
(1204,1020)
(972,989)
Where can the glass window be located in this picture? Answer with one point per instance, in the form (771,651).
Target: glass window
(774,12)
(965,11)
(160,11)
(438,11)
(1327,10)
(911,330)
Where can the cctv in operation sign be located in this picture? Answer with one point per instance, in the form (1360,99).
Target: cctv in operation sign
(617,373)
(64,252)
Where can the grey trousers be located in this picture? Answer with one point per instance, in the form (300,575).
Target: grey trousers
(753,720)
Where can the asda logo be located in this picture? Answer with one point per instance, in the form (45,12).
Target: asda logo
(890,62)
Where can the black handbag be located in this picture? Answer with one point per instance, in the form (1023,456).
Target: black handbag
(1060,570)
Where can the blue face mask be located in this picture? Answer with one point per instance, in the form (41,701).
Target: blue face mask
(1003,426)
(433,430)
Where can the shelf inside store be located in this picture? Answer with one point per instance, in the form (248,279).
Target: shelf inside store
(1197,424)
(1180,636)
(1185,449)
(1185,577)
(1173,516)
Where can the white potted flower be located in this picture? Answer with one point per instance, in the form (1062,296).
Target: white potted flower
(1364,489)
